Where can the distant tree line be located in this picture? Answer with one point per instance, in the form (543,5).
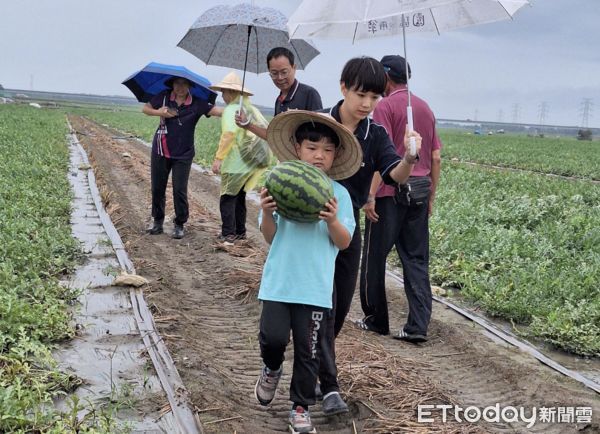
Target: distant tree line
(532,130)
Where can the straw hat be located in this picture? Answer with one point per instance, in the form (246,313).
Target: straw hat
(281,136)
(231,82)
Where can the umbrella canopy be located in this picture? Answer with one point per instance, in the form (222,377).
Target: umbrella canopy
(151,80)
(221,35)
(360,19)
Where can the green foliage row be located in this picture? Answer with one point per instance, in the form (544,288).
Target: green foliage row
(561,156)
(524,247)
(36,250)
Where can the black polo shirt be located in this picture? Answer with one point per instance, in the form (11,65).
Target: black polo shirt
(300,97)
(180,129)
(379,155)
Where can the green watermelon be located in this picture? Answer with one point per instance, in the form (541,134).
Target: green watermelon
(300,190)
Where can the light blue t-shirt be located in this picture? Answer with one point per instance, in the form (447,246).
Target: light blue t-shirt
(301,261)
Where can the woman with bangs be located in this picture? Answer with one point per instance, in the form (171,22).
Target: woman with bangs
(362,84)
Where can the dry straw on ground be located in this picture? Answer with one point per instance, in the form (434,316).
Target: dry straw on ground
(390,386)
(244,280)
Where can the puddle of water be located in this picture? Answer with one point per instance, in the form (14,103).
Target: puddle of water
(586,366)
(109,354)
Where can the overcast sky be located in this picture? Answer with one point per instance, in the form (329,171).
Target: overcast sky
(548,54)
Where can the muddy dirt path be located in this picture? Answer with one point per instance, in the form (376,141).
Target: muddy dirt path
(212,334)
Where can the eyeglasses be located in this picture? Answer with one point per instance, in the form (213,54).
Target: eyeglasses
(283,74)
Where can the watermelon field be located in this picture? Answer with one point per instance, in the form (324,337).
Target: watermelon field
(513,244)
(37,250)
(560,156)
(522,246)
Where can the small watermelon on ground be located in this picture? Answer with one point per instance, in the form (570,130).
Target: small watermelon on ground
(300,190)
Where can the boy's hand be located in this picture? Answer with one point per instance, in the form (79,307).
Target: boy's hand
(329,215)
(267,203)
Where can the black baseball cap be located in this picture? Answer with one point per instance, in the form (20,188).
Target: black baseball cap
(395,66)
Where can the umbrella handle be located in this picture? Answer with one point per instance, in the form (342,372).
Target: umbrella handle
(245,66)
(412,149)
(412,141)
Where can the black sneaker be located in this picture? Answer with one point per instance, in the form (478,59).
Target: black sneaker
(413,338)
(156,228)
(363,324)
(178,232)
(227,240)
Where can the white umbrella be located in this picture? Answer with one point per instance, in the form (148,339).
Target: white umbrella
(362,19)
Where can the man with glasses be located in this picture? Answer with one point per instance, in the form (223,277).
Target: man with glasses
(292,95)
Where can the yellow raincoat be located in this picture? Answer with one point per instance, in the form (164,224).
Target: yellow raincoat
(238,172)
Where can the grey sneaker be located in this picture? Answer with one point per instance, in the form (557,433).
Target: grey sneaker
(266,386)
(300,421)
(334,404)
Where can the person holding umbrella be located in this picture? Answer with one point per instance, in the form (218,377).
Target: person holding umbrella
(363,82)
(400,217)
(292,93)
(241,158)
(173,147)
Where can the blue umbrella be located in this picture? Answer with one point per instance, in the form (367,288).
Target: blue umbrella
(152,79)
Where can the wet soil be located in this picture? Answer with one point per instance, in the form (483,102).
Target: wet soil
(212,333)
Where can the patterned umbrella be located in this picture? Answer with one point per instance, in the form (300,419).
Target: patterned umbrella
(241,36)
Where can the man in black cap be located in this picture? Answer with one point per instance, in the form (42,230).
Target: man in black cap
(399,216)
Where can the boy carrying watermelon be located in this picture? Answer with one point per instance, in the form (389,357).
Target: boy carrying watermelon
(297,281)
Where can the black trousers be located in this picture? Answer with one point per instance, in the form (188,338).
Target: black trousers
(160,167)
(306,323)
(344,283)
(407,228)
(233,214)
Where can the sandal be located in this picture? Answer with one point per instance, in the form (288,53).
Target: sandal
(410,337)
